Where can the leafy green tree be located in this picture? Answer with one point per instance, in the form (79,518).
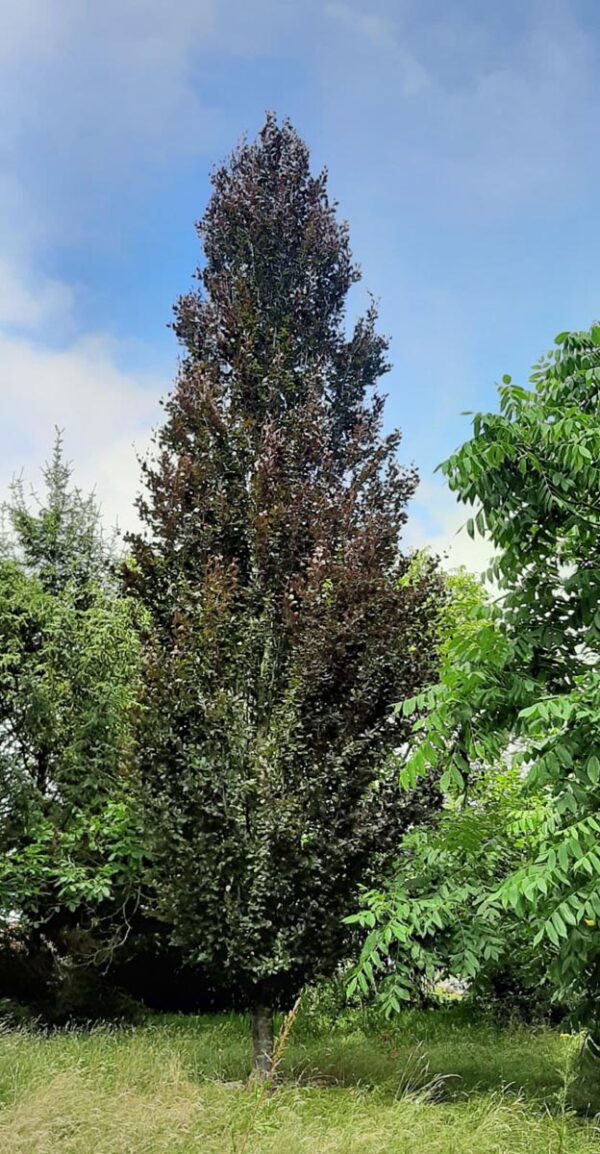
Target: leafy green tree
(523,682)
(69,840)
(282,629)
(433,919)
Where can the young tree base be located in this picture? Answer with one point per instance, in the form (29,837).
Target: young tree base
(262,1042)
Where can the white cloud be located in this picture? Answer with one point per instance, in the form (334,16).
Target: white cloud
(383,35)
(116,86)
(33,304)
(437,521)
(102,101)
(31,28)
(468,107)
(104,409)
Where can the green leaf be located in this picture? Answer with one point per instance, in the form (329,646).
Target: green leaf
(593,769)
(551,933)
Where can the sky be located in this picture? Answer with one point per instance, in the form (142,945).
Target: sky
(461,141)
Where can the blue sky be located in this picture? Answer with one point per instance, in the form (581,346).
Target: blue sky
(462,144)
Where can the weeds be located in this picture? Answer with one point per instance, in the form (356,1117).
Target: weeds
(429,1086)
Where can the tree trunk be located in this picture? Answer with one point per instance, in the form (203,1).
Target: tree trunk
(262,1042)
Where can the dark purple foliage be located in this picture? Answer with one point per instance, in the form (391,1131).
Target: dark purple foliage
(281,631)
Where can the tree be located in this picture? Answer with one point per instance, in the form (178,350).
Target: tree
(524,682)
(281,627)
(69,836)
(61,541)
(430,920)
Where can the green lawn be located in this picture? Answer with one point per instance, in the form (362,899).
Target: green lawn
(435,1083)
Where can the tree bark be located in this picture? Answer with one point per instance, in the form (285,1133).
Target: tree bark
(262,1042)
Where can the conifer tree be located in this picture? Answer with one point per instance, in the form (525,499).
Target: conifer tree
(68,682)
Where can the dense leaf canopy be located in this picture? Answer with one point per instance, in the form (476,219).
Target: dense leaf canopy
(521,680)
(282,630)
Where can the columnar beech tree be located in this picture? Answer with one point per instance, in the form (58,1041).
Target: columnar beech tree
(284,618)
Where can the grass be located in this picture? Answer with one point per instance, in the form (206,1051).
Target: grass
(435,1083)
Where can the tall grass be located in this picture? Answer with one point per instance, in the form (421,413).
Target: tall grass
(434,1084)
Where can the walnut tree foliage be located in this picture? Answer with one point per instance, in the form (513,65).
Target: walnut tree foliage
(519,686)
(281,629)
